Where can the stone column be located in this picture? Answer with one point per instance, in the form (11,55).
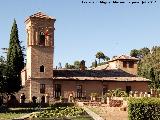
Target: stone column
(131,94)
(136,94)
(51,37)
(30,36)
(27,37)
(30,90)
(36,37)
(145,94)
(141,94)
(47,40)
(152,92)
(46,98)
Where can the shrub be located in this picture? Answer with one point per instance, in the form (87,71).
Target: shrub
(144,108)
(116,93)
(3,108)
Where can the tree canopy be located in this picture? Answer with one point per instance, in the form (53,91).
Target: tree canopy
(100,55)
(139,53)
(77,64)
(149,66)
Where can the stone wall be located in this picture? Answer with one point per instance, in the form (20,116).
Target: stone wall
(128,69)
(37,57)
(88,87)
(118,64)
(35,89)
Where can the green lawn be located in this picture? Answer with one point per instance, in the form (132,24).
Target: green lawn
(7,116)
(13,113)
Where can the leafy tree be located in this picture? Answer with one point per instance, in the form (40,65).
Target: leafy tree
(144,51)
(134,53)
(15,62)
(154,83)
(139,53)
(149,67)
(68,66)
(95,64)
(106,58)
(59,65)
(77,64)
(100,55)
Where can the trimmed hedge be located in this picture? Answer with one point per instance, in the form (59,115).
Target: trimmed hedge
(144,108)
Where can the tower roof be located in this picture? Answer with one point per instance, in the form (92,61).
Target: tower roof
(40,15)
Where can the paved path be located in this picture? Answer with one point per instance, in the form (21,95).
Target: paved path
(92,114)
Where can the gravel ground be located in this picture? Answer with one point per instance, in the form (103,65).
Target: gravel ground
(110,113)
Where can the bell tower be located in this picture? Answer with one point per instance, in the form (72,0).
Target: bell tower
(40,46)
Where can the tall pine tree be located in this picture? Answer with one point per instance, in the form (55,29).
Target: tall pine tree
(15,62)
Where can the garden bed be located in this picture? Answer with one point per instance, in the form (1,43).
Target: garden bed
(62,113)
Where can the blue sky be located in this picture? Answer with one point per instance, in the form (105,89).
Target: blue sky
(84,29)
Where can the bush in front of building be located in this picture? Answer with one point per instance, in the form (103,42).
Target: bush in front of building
(116,93)
(144,108)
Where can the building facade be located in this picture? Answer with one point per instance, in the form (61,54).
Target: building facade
(39,79)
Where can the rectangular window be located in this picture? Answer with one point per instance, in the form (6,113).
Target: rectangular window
(128,89)
(57,90)
(104,89)
(79,91)
(42,88)
(131,64)
(42,68)
(124,64)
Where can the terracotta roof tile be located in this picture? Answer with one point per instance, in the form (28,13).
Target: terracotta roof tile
(109,75)
(126,79)
(40,15)
(123,57)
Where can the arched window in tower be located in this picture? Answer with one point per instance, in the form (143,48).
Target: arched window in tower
(27,38)
(42,68)
(41,38)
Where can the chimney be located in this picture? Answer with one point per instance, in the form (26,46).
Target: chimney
(82,65)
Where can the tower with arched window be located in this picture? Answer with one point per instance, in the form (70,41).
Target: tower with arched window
(40,49)
(40,45)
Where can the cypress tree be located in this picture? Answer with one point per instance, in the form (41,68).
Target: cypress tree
(15,62)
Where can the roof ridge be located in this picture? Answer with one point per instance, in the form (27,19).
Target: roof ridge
(40,14)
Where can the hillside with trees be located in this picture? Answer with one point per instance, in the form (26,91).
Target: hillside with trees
(149,64)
